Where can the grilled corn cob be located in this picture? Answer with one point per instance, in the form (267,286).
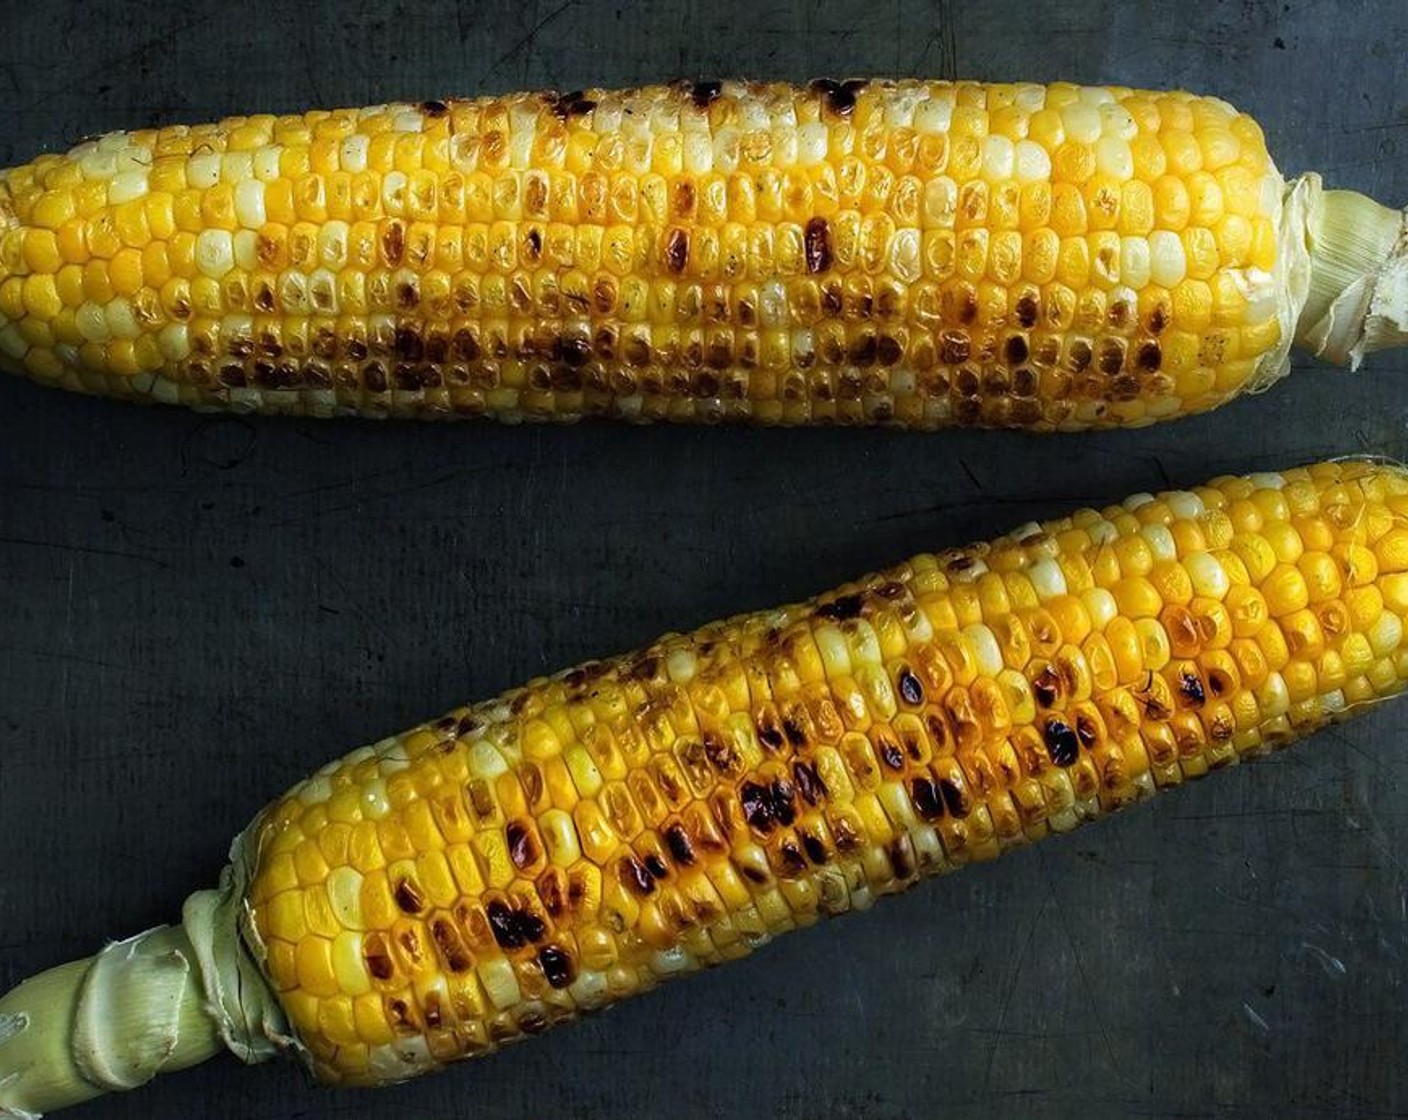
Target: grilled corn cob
(915,253)
(576,841)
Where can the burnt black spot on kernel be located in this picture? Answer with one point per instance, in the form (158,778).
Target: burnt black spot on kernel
(839,97)
(408,897)
(769,733)
(1016,350)
(522,847)
(955,798)
(1191,689)
(378,957)
(790,856)
(1061,742)
(814,847)
(393,242)
(401,1018)
(888,350)
(704,93)
(809,783)
(557,965)
(634,876)
(576,351)
(1158,320)
(232,377)
(534,244)
(954,347)
(452,948)
(928,802)
(1081,356)
(567,105)
(1027,312)
(1087,732)
(891,755)
(1149,357)
(1111,359)
(409,345)
(757,807)
(783,797)
(831,299)
(862,350)
(838,610)
(677,250)
(655,865)
(504,926)
(911,690)
(1046,686)
(677,840)
(434,108)
(901,854)
(753,874)
(817,242)
(794,732)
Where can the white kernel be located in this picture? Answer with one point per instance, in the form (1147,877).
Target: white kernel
(1267,480)
(92,323)
(589,990)
(246,249)
(940,202)
(314,791)
(834,650)
(681,664)
(985,649)
(1137,501)
(904,259)
(999,158)
(121,319)
(726,143)
(812,141)
(1100,604)
(1333,702)
(772,304)
(1116,121)
(408,120)
(352,154)
(322,291)
(266,162)
(174,341)
(1102,531)
(1134,262)
(520,149)
(784,147)
(1209,577)
(249,204)
(606,117)
(127,186)
(1386,634)
(293,293)
(1081,122)
(393,193)
(112,142)
(500,984)
(1031,97)
(1048,581)
(698,153)
(1168,264)
(1095,95)
(215,252)
(203,171)
(332,244)
(1184,504)
(485,761)
(1113,158)
(133,158)
(1033,162)
(1160,542)
(934,115)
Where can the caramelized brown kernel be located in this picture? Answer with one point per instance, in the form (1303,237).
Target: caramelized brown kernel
(817,241)
(927,799)
(409,897)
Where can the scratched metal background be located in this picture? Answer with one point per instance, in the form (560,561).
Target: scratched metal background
(196,612)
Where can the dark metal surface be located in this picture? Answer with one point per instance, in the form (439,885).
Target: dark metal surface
(196,612)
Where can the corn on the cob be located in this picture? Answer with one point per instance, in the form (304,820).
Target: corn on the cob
(915,253)
(576,841)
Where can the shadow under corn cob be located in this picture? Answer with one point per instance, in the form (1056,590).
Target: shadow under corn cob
(916,253)
(576,841)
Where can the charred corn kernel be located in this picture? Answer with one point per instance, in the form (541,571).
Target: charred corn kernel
(797,761)
(730,231)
